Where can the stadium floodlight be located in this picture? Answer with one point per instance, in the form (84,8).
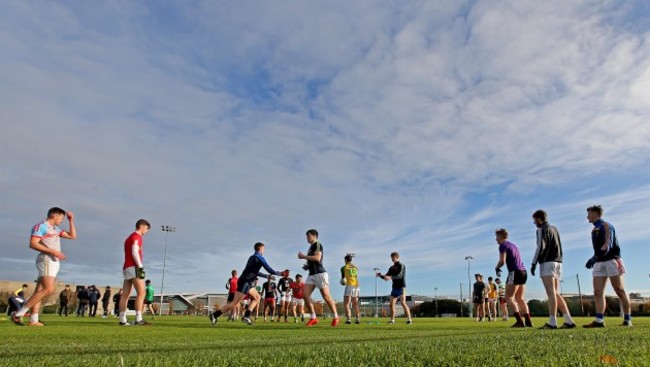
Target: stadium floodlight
(469,283)
(376,270)
(165,229)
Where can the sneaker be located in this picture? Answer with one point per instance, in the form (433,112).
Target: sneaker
(409,322)
(312,322)
(213,319)
(247,320)
(335,321)
(519,324)
(295,321)
(626,323)
(17,319)
(37,323)
(124,323)
(568,326)
(548,326)
(142,323)
(357,321)
(528,324)
(594,324)
(103,317)
(391,321)
(348,322)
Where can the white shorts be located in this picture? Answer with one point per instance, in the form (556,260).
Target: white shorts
(298,302)
(48,268)
(285,298)
(129,273)
(609,268)
(550,269)
(320,280)
(351,291)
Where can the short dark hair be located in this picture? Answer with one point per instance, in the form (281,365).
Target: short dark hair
(502,232)
(312,232)
(348,257)
(394,254)
(477,275)
(142,222)
(25,285)
(540,215)
(233,272)
(298,276)
(258,246)
(596,209)
(55,210)
(489,279)
(148,281)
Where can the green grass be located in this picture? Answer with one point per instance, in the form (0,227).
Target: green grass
(191,341)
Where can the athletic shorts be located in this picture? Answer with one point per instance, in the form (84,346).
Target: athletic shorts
(550,269)
(397,292)
(320,280)
(478,300)
(610,268)
(502,300)
(147,302)
(490,300)
(269,301)
(243,286)
(284,297)
(129,273)
(298,302)
(351,291)
(231,296)
(48,268)
(517,277)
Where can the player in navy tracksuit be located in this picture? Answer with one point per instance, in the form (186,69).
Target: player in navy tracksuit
(245,285)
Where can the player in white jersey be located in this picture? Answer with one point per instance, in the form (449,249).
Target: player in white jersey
(46,239)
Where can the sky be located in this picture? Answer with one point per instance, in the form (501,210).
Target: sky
(418,127)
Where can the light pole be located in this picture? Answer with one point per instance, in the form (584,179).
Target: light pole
(469,283)
(435,289)
(376,296)
(165,229)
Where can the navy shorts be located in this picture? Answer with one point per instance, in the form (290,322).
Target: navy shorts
(397,292)
(231,296)
(243,286)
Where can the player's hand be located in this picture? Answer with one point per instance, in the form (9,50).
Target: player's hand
(140,273)
(284,273)
(498,272)
(305,266)
(591,262)
(59,255)
(301,256)
(532,269)
(70,216)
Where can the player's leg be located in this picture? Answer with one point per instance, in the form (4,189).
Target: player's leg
(619,288)
(563,307)
(310,286)
(325,292)
(47,286)
(140,289)
(347,300)
(511,289)
(355,306)
(124,300)
(551,293)
(406,308)
(523,306)
(599,294)
(503,304)
(391,307)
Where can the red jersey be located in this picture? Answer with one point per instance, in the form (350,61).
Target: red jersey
(233,285)
(296,289)
(133,239)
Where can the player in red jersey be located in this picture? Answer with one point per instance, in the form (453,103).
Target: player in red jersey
(134,274)
(231,286)
(297,300)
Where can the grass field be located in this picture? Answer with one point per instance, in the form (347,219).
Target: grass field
(192,341)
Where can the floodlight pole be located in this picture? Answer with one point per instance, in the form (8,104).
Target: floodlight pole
(435,289)
(469,283)
(165,229)
(376,295)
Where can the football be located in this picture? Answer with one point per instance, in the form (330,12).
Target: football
(343,282)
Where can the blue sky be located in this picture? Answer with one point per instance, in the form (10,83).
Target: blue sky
(417,128)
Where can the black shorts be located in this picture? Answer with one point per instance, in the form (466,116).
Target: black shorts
(517,277)
(478,300)
(231,297)
(243,286)
(148,302)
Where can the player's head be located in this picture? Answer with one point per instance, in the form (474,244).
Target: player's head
(497,280)
(25,286)
(312,235)
(286,273)
(348,258)
(394,256)
(67,286)
(298,278)
(477,277)
(233,273)
(147,282)
(108,287)
(56,215)
(501,235)
(594,213)
(142,226)
(540,217)
(259,247)
(490,279)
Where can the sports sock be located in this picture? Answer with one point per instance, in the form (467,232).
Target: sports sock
(138,316)
(33,318)
(336,315)
(313,316)
(22,312)
(518,317)
(627,317)
(527,318)
(552,320)
(218,313)
(568,319)
(247,313)
(123,317)
(600,317)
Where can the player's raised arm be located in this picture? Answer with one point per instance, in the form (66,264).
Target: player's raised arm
(71,233)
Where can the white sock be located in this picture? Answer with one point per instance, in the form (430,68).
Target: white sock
(336,315)
(568,319)
(138,316)
(22,312)
(122,317)
(33,318)
(313,316)
(552,320)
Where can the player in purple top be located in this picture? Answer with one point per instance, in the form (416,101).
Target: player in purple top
(516,282)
